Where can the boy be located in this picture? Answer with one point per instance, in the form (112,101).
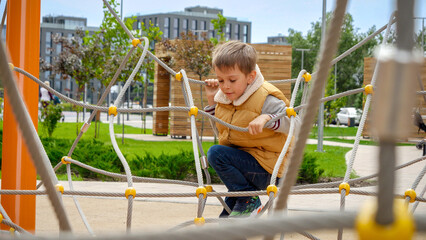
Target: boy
(240,96)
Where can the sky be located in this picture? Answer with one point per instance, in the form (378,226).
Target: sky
(271,18)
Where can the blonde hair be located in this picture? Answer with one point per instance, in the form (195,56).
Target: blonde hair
(229,54)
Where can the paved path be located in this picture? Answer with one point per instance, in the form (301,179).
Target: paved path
(109,215)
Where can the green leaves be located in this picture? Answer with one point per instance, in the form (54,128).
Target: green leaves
(50,115)
(219,25)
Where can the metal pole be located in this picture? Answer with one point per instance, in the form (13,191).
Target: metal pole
(423,33)
(321,108)
(303,50)
(119,114)
(128,101)
(335,78)
(84,100)
(18,171)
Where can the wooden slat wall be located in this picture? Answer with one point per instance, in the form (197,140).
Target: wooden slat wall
(274,62)
(161,99)
(369,64)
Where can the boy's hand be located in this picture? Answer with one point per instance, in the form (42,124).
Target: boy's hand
(256,126)
(211,89)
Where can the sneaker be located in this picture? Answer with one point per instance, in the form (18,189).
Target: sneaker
(246,207)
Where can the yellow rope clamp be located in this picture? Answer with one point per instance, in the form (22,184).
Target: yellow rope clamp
(209,188)
(290,112)
(64,161)
(112,110)
(345,186)
(178,76)
(199,221)
(369,89)
(272,188)
(135,42)
(59,188)
(130,191)
(412,194)
(12,231)
(307,76)
(193,111)
(1,217)
(11,67)
(402,228)
(201,190)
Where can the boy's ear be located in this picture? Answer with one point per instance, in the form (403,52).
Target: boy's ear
(251,77)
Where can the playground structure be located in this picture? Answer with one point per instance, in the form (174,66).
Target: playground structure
(369,222)
(273,60)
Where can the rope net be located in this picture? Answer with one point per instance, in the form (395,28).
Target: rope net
(275,223)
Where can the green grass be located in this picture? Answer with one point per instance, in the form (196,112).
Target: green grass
(334,131)
(362,142)
(71,130)
(332,160)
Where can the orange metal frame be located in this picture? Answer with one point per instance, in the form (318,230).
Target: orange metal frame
(18,172)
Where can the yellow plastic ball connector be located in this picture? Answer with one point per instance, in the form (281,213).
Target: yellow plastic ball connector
(11,67)
(290,112)
(193,111)
(64,161)
(135,42)
(307,76)
(201,190)
(209,188)
(345,186)
(12,231)
(130,191)
(199,221)
(412,194)
(1,217)
(59,188)
(369,89)
(112,110)
(403,226)
(272,188)
(178,76)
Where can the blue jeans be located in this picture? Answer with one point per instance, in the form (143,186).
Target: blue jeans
(238,170)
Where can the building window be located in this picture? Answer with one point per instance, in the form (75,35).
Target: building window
(194,25)
(211,30)
(237,32)
(59,45)
(245,34)
(48,42)
(185,25)
(228,31)
(47,73)
(176,27)
(204,28)
(155,22)
(139,25)
(166,27)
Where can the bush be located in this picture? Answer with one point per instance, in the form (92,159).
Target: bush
(50,116)
(309,172)
(90,152)
(179,166)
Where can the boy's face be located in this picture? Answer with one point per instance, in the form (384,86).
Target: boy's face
(233,82)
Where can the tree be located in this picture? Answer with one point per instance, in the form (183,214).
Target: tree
(153,34)
(196,56)
(219,25)
(350,70)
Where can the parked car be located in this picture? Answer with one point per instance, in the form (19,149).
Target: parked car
(348,112)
